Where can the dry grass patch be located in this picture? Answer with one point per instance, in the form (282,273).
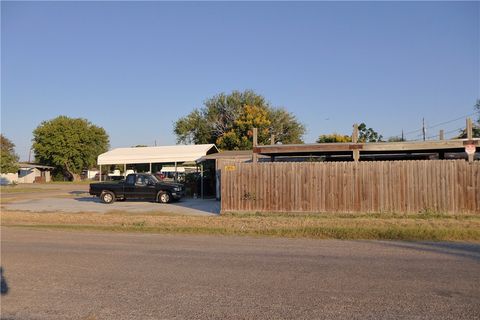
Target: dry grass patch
(321,226)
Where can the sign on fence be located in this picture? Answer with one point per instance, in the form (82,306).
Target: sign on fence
(470,149)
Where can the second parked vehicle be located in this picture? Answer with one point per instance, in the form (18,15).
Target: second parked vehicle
(138,186)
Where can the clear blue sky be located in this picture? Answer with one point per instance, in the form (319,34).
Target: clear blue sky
(135,67)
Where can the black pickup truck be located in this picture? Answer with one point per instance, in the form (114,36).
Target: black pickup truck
(137,186)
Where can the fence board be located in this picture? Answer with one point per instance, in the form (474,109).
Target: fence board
(449,186)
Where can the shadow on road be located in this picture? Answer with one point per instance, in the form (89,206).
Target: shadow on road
(4,286)
(88,199)
(78,192)
(463,250)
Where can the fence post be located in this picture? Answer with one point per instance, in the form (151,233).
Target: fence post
(356,152)
(470,137)
(255,139)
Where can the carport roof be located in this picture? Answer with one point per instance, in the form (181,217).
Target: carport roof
(163,154)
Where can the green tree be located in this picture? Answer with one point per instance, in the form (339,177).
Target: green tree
(332,138)
(70,144)
(239,137)
(366,134)
(228,119)
(285,126)
(396,139)
(9,159)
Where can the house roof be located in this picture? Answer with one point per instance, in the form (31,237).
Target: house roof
(163,154)
(229,154)
(34,165)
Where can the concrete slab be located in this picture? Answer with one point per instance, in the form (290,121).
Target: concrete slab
(93,204)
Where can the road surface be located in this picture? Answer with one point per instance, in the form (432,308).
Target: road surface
(87,275)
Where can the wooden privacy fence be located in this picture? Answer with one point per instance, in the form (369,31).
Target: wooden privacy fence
(447,186)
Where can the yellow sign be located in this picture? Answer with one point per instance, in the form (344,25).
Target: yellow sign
(230,168)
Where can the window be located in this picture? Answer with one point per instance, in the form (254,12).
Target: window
(131,179)
(141,180)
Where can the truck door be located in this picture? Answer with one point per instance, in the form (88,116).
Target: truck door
(145,188)
(129,187)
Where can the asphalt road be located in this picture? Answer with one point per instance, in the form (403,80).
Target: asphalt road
(75,275)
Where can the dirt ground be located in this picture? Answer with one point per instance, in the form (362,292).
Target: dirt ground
(71,198)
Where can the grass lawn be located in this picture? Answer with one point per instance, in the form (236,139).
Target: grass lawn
(425,226)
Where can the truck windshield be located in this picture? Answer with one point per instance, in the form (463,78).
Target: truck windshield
(153,179)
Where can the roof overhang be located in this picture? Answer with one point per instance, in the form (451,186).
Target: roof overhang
(163,154)
(34,165)
(456,145)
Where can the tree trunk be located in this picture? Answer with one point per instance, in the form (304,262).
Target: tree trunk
(70,175)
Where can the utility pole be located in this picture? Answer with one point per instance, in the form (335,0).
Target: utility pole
(403,138)
(424,131)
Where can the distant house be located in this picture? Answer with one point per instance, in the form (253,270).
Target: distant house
(28,173)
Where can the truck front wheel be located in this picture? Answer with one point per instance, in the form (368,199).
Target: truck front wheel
(107,197)
(164,197)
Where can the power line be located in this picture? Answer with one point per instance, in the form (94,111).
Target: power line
(440,124)
(451,131)
(450,121)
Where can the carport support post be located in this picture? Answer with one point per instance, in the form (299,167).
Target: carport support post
(100,175)
(176,171)
(201,180)
(124,170)
(150,167)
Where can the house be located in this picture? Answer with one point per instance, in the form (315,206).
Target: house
(28,173)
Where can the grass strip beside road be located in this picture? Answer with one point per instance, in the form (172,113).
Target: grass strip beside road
(321,226)
(15,189)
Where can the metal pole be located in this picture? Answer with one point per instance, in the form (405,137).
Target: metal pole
(124,170)
(100,175)
(201,180)
(150,167)
(176,171)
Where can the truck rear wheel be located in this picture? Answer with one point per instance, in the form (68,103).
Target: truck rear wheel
(164,197)
(107,197)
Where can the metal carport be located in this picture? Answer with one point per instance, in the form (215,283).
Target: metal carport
(163,154)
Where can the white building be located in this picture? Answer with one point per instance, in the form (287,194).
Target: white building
(28,173)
